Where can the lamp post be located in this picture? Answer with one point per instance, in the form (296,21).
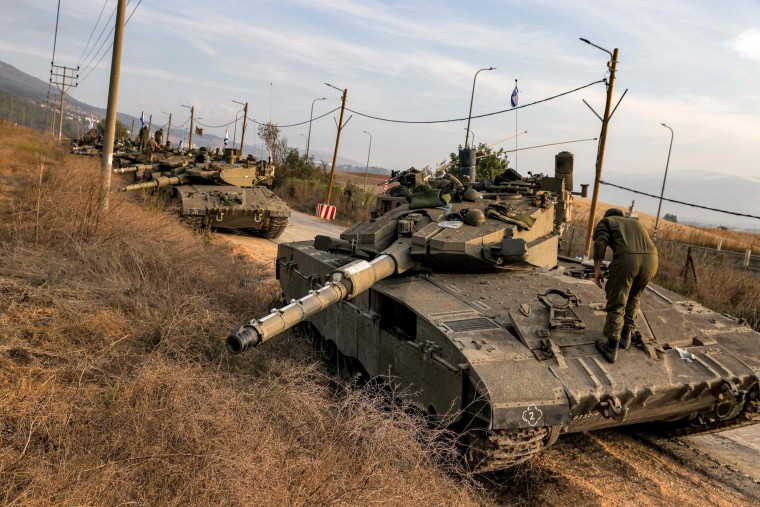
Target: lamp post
(311,115)
(307,139)
(245,117)
(366,170)
(612,66)
(662,192)
(472,97)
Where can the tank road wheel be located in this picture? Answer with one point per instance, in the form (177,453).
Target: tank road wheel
(488,452)
(276,227)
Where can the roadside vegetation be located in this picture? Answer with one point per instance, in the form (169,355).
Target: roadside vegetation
(115,387)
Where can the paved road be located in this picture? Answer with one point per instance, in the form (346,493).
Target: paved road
(303,227)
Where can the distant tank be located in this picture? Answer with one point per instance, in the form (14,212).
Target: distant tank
(229,195)
(467,310)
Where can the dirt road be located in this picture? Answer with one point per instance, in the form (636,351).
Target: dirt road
(621,467)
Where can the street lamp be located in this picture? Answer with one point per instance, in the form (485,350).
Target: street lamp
(307,139)
(245,117)
(311,115)
(472,97)
(366,170)
(659,206)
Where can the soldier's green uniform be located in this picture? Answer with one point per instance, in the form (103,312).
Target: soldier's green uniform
(634,264)
(159,136)
(143,138)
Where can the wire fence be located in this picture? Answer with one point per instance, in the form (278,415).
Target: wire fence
(735,260)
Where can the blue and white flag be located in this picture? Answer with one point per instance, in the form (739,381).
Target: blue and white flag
(226,137)
(142,119)
(514,95)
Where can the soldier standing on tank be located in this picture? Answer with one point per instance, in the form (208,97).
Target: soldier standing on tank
(634,264)
(159,136)
(142,138)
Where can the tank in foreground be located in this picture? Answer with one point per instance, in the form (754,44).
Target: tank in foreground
(481,325)
(225,194)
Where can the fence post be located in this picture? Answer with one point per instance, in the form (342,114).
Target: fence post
(720,242)
(747,257)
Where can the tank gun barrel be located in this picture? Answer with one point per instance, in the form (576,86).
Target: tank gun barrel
(345,283)
(135,168)
(161,181)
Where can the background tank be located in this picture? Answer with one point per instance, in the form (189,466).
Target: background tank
(216,194)
(484,327)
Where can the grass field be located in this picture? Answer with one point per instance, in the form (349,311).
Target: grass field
(115,388)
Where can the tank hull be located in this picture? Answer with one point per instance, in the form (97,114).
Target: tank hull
(257,210)
(509,353)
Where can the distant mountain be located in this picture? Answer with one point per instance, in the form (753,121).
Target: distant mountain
(704,188)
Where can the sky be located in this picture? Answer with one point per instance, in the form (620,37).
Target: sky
(694,65)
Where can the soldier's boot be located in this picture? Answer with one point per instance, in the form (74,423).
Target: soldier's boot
(625,338)
(608,348)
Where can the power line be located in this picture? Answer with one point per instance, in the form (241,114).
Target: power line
(215,126)
(111,44)
(93,31)
(680,202)
(478,116)
(90,52)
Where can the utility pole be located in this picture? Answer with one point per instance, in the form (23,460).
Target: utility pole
(612,65)
(308,139)
(59,77)
(168,127)
(245,117)
(150,124)
(337,141)
(192,119)
(132,129)
(113,102)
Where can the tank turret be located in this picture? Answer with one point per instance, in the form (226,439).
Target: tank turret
(213,193)
(515,229)
(460,302)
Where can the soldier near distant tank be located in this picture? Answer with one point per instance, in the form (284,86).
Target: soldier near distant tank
(634,264)
(159,136)
(142,138)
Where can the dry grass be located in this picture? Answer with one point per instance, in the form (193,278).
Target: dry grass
(114,385)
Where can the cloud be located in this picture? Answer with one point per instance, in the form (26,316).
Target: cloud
(747,44)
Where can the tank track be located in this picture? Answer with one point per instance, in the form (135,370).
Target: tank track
(749,415)
(496,452)
(276,227)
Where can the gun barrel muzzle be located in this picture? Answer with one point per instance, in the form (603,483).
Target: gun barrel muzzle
(242,338)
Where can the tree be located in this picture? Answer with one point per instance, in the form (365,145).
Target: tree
(119,134)
(670,218)
(270,135)
(489,162)
(295,165)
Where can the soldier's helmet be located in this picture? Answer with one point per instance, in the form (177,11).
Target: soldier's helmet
(471,195)
(474,217)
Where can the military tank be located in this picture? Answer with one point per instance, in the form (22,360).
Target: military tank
(222,194)
(468,311)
